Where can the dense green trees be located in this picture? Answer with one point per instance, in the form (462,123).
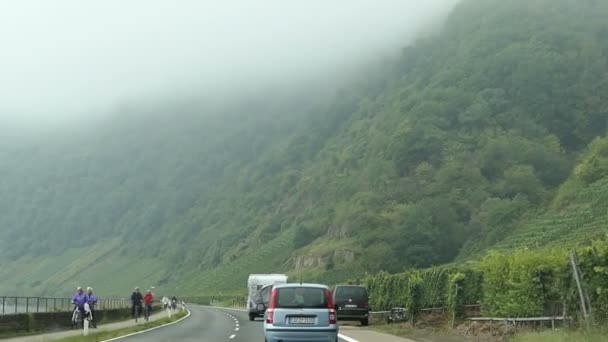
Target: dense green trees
(435,156)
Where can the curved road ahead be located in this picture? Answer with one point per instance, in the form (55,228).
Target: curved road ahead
(207,324)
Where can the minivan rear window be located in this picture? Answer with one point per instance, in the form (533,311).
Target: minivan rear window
(350,292)
(301,298)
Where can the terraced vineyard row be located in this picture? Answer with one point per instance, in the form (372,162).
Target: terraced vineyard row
(232,278)
(585,218)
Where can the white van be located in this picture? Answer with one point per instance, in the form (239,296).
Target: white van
(255,283)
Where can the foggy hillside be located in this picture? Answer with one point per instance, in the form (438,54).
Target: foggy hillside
(420,154)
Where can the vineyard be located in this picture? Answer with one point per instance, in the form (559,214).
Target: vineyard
(232,278)
(581,216)
(525,283)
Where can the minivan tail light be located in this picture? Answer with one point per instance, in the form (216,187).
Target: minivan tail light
(329,299)
(330,307)
(332,316)
(270,316)
(271,306)
(273,299)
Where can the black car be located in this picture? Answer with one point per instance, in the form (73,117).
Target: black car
(352,303)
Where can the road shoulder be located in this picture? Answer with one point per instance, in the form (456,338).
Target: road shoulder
(364,335)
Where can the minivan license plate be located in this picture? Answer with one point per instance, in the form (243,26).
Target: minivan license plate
(301,320)
(350,306)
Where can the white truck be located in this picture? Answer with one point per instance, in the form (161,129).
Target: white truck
(256,303)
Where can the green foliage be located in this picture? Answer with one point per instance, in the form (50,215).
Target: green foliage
(524,283)
(455,298)
(414,295)
(519,285)
(426,288)
(593,262)
(595,164)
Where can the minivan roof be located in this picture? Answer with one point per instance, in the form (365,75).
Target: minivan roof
(349,286)
(292,285)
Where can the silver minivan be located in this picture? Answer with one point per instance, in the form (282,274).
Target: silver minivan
(300,312)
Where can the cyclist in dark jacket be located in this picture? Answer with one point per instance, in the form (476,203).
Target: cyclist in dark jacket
(173,302)
(136,301)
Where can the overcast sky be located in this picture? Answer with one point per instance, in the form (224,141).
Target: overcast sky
(67,58)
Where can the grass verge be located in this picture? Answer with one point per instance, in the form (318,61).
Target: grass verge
(596,335)
(427,334)
(104,335)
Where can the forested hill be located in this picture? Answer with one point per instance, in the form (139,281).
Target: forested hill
(457,147)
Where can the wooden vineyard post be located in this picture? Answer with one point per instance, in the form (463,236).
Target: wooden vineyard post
(579,287)
(456,303)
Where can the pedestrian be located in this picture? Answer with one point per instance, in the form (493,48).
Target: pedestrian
(136,301)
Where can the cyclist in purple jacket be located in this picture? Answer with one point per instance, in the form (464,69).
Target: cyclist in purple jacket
(79,299)
(92,305)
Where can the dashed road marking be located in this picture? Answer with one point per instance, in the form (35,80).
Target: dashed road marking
(232,337)
(347,339)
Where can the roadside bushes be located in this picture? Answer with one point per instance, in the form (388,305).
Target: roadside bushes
(524,283)
(455,299)
(419,289)
(593,263)
(520,284)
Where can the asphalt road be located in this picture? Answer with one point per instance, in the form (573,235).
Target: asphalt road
(207,324)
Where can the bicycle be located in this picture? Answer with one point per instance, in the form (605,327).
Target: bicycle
(77,318)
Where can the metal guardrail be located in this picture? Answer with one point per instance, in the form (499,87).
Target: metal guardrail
(470,307)
(17,305)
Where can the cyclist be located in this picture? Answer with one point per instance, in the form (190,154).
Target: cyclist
(173,303)
(165,302)
(136,299)
(79,299)
(92,304)
(148,300)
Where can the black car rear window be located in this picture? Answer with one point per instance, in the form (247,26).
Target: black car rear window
(350,292)
(301,297)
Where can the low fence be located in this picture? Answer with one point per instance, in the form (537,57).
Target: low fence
(16,305)
(29,323)
(469,311)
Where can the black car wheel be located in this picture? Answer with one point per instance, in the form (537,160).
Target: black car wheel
(364,322)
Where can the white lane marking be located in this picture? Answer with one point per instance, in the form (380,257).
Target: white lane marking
(346,338)
(219,307)
(147,330)
(236,329)
(232,337)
